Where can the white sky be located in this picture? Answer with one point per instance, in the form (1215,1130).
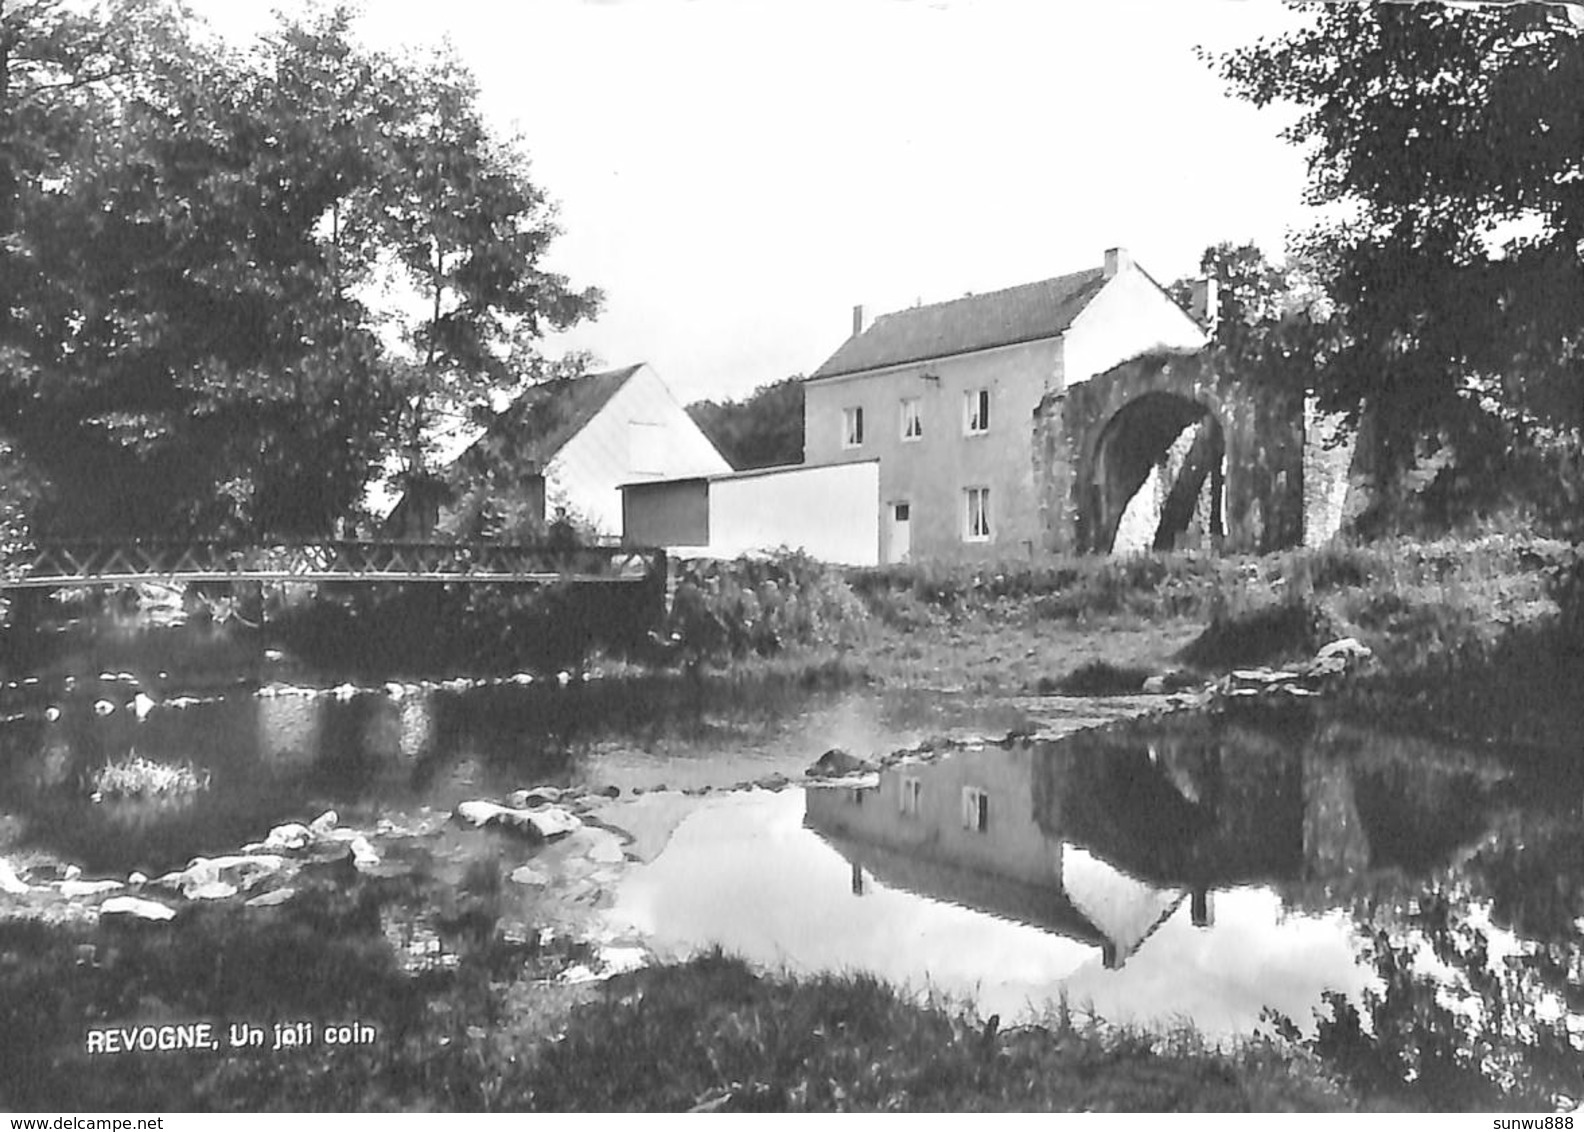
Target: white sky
(736,174)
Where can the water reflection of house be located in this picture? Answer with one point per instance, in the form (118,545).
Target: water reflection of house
(1102,835)
(1267,797)
(965,830)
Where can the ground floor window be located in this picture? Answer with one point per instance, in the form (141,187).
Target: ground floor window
(976,521)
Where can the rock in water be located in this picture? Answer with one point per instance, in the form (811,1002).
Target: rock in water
(529,875)
(216,878)
(210,890)
(535,796)
(363,854)
(136,907)
(480,812)
(271,899)
(73,889)
(1350,647)
(542,824)
(9,881)
(288,837)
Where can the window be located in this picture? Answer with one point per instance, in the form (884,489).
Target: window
(976,411)
(975,809)
(646,448)
(976,526)
(912,791)
(852,426)
(912,418)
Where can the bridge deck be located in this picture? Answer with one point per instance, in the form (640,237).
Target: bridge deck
(84,563)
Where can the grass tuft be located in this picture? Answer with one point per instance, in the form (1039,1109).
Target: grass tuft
(138,777)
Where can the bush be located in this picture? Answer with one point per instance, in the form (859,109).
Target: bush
(762,605)
(1285,630)
(1102,678)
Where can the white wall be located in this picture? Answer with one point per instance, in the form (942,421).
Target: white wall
(620,446)
(1130,316)
(830,512)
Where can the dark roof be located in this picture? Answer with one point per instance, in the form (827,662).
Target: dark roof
(976,322)
(532,429)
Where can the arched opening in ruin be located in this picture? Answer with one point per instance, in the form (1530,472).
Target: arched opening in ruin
(1159,476)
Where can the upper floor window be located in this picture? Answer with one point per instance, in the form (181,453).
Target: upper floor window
(975,809)
(976,518)
(976,411)
(852,426)
(912,418)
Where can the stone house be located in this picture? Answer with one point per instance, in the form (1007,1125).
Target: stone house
(569,443)
(949,398)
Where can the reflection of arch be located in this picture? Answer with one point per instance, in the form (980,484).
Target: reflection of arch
(1133,442)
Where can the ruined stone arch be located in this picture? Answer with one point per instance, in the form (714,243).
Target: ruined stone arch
(1133,443)
(1103,437)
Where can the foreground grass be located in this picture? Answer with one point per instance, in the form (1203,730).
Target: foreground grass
(712,1034)
(492,1034)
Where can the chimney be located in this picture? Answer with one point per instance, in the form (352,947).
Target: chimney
(858,320)
(1116,259)
(1204,303)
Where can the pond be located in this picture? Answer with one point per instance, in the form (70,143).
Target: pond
(1252,871)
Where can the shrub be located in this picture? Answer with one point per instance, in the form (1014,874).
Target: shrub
(762,605)
(1288,629)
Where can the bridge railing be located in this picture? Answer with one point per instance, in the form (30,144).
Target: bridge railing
(101,562)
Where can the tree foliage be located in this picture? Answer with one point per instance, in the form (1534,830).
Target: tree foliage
(188,234)
(764,430)
(1451,142)
(1272,321)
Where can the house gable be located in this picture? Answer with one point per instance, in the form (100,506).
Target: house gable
(1130,316)
(641,432)
(567,443)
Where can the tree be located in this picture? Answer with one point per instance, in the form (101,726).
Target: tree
(1454,139)
(469,228)
(187,234)
(1272,321)
(763,430)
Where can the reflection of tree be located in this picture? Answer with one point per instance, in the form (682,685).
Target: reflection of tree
(1479,979)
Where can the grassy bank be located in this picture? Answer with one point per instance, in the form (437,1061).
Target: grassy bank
(1478,637)
(712,1034)
(1001,627)
(495,1031)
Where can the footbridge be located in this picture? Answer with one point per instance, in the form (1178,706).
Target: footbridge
(83,562)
